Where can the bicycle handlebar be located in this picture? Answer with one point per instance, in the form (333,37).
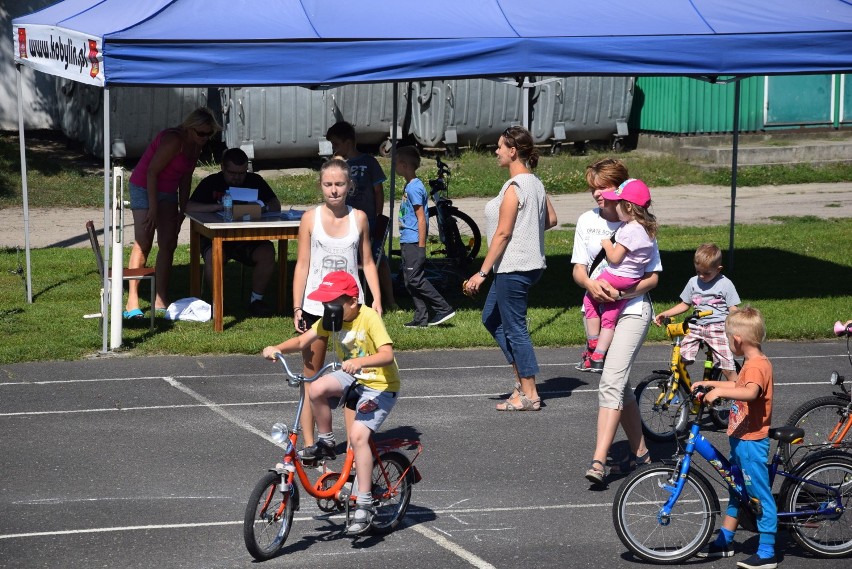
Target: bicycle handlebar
(295,379)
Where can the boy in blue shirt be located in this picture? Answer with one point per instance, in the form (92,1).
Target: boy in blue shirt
(413,227)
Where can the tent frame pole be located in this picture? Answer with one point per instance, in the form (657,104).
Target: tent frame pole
(107,306)
(24,188)
(736,143)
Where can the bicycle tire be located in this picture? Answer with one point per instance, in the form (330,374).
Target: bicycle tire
(661,423)
(823,535)
(264,533)
(637,505)
(464,242)
(391,496)
(818,417)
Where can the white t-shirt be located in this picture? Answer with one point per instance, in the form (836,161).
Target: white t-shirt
(640,248)
(591,228)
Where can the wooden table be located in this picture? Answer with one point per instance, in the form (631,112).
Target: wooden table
(211,226)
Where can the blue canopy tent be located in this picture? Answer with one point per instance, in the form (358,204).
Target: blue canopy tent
(315,42)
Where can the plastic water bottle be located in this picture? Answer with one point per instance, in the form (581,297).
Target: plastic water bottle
(228,205)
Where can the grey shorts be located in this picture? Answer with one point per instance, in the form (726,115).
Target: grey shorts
(384,401)
(139,197)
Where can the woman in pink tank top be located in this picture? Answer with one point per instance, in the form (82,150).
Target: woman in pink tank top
(159,190)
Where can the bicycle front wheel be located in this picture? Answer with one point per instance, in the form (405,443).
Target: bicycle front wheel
(661,407)
(636,515)
(820,418)
(462,239)
(392,482)
(829,534)
(268,517)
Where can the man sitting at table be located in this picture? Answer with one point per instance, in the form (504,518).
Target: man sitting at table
(207,197)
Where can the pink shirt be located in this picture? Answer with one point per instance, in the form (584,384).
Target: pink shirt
(169,178)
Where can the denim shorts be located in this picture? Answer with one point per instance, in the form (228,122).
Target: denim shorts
(139,197)
(384,400)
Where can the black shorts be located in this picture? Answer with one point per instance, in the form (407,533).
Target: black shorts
(240,251)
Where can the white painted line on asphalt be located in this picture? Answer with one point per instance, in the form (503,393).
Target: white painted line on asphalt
(213,406)
(415,513)
(221,406)
(441,367)
(452,547)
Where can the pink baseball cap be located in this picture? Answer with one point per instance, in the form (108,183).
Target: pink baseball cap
(334,285)
(632,190)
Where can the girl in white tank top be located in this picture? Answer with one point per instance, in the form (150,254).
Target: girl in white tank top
(329,254)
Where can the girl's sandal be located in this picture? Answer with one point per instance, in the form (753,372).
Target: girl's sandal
(596,474)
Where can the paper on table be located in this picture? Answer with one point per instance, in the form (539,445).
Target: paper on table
(244,195)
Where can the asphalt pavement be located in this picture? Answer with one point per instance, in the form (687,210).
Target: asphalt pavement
(149,462)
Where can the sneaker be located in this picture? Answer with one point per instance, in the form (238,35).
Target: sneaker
(259,309)
(441,318)
(713,551)
(318,451)
(755,562)
(414,324)
(596,366)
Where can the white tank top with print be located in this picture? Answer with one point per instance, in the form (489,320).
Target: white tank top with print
(329,254)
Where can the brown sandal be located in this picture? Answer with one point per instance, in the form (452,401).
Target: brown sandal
(527,404)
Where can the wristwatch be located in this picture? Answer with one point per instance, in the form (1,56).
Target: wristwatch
(483,274)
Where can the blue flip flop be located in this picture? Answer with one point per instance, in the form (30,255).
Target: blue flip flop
(133,314)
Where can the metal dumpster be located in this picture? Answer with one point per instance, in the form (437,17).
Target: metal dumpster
(579,109)
(137,114)
(464,112)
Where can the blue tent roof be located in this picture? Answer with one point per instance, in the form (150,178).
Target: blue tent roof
(306,42)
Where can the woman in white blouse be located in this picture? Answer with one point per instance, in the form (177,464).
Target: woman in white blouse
(515,223)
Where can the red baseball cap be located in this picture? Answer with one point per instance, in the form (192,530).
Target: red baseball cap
(632,190)
(335,285)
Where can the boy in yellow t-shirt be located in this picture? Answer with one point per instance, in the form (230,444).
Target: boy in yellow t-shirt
(368,368)
(748,433)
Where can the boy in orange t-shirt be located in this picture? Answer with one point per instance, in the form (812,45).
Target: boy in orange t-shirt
(748,433)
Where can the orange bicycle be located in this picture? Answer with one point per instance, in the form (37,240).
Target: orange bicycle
(275,498)
(828,419)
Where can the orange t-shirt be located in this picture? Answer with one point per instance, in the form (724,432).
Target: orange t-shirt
(750,419)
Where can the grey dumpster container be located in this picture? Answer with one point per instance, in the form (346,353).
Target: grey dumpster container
(369,108)
(467,112)
(276,122)
(578,109)
(137,114)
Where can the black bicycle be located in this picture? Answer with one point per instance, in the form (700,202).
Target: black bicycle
(453,235)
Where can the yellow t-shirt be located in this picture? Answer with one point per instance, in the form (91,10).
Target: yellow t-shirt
(362,337)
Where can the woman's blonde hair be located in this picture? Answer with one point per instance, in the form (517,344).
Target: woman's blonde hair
(339,163)
(748,324)
(201,118)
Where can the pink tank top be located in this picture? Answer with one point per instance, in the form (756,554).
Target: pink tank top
(170,176)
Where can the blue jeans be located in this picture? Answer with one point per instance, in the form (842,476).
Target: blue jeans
(505,317)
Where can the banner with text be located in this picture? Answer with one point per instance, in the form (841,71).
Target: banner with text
(60,52)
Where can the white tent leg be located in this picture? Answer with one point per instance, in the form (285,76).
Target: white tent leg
(24,189)
(113,254)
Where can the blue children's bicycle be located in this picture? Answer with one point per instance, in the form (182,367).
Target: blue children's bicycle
(665,513)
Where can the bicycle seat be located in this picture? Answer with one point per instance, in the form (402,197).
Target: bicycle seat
(787,434)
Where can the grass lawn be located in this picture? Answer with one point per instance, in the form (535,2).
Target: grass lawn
(797,272)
